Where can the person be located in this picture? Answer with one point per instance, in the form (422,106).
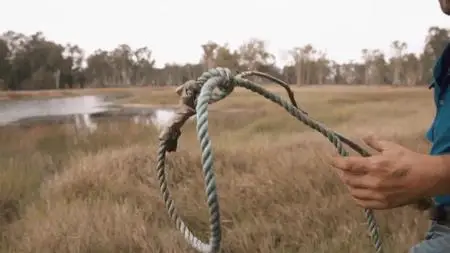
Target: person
(396,176)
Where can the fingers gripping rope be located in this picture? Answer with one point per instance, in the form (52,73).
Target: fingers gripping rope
(211,87)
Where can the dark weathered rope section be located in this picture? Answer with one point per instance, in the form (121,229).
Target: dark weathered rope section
(211,87)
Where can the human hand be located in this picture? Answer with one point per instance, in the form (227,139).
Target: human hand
(394,177)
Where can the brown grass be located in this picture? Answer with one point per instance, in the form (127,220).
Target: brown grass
(63,192)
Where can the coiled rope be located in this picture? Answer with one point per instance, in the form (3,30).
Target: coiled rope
(211,87)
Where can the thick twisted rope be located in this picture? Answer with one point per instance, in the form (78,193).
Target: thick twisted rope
(198,94)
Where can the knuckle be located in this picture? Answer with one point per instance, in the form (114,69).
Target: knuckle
(380,197)
(346,180)
(379,162)
(382,200)
(376,183)
(373,164)
(353,193)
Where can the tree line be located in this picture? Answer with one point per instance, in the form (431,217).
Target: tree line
(30,62)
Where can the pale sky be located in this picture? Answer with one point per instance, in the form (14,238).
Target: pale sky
(175,29)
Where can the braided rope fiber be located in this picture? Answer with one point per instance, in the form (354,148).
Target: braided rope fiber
(221,81)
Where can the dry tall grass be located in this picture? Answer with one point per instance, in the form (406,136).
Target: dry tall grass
(62,192)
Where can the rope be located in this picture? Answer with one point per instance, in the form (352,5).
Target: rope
(211,87)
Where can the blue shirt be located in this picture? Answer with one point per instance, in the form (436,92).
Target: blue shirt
(439,132)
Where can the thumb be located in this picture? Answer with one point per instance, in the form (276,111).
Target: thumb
(376,143)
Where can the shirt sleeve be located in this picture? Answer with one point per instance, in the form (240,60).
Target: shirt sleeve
(429,134)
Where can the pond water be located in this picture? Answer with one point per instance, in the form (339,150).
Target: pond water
(12,111)
(80,111)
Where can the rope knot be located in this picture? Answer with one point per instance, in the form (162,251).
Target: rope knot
(188,93)
(224,87)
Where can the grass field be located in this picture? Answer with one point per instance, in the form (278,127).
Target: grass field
(78,193)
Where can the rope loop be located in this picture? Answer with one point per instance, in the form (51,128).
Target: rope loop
(210,87)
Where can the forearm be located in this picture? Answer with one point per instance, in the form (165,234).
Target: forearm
(439,167)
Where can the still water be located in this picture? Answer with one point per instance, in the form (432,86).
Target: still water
(12,111)
(80,110)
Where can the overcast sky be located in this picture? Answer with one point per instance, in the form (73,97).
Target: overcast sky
(175,29)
